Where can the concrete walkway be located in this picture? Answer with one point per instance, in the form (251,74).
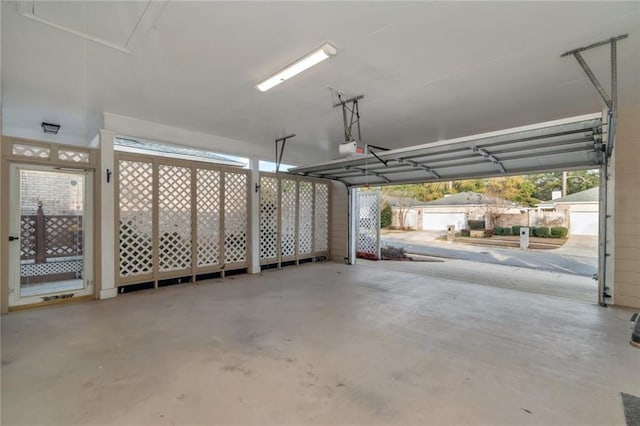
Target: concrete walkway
(579,246)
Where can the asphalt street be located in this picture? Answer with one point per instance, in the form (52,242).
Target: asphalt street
(542,260)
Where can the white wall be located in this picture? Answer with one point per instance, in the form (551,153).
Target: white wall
(133,127)
(338,221)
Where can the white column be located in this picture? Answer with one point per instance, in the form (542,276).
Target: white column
(254,216)
(353,225)
(107,226)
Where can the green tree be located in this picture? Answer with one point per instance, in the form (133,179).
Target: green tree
(470,185)
(386,215)
(578,180)
(581,180)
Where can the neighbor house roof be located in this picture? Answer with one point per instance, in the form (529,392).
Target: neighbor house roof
(402,201)
(466,199)
(589,196)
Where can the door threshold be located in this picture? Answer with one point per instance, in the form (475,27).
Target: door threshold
(51,303)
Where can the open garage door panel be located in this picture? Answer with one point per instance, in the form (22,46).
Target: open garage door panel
(573,143)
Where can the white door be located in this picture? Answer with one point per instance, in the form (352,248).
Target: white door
(440,221)
(50,234)
(583,223)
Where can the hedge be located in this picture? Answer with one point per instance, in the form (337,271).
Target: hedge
(532,231)
(465,233)
(476,225)
(498,230)
(516,229)
(507,231)
(559,232)
(542,232)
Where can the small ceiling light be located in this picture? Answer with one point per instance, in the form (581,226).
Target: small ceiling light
(326,51)
(50,128)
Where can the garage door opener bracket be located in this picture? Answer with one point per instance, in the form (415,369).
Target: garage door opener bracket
(350,116)
(280,152)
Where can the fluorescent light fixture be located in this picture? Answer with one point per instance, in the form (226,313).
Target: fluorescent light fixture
(326,51)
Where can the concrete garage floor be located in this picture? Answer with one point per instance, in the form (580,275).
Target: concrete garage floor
(320,344)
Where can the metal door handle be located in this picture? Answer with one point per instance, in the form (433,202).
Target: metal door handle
(12,238)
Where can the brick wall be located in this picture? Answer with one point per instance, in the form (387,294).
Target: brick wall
(59,193)
(627,209)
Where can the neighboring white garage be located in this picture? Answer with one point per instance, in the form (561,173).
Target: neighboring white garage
(583,209)
(457,209)
(440,220)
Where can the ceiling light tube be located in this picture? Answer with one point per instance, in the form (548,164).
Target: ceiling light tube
(326,51)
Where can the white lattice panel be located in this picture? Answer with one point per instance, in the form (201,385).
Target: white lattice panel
(368,224)
(51,268)
(268,217)
(321,217)
(136,205)
(288,190)
(208,226)
(235,217)
(174,218)
(73,156)
(31,151)
(305,217)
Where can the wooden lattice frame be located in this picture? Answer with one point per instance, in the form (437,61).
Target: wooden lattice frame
(368,209)
(202,209)
(290,203)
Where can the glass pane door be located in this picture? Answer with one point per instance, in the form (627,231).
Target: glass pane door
(50,221)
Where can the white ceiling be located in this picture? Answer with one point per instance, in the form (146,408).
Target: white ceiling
(429,71)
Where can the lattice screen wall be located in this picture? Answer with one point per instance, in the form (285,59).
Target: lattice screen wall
(368,242)
(179,218)
(294,218)
(174,217)
(269,219)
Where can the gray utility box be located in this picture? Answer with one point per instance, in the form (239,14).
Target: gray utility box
(524,238)
(451,232)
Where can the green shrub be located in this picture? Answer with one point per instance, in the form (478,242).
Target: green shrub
(516,229)
(507,231)
(386,215)
(559,232)
(542,232)
(465,233)
(497,230)
(532,231)
(476,225)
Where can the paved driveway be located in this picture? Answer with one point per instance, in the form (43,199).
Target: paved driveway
(577,257)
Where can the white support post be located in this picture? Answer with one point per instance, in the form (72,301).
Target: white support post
(107,224)
(353,225)
(254,216)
